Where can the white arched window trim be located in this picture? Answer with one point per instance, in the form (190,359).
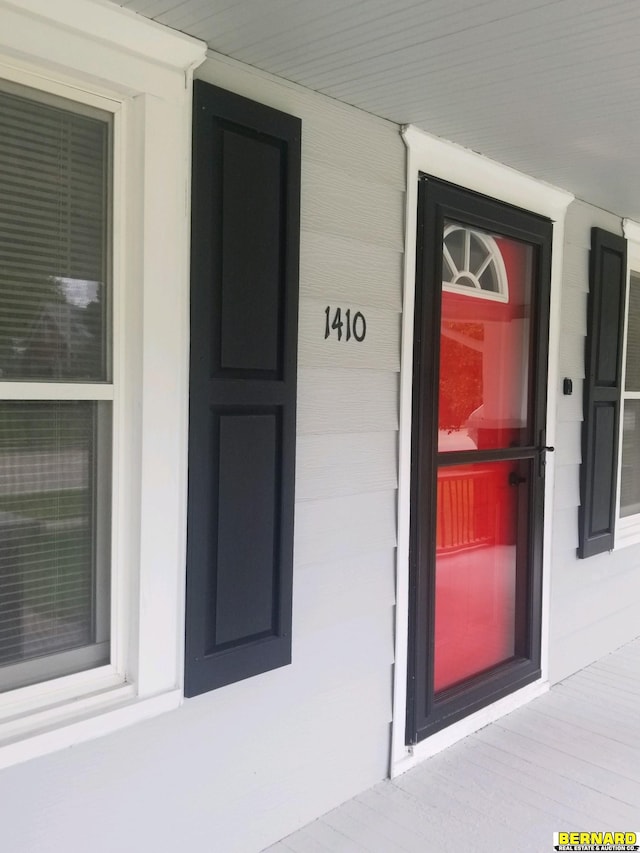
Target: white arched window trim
(467,279)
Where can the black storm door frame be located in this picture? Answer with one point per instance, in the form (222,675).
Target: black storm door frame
(439,201)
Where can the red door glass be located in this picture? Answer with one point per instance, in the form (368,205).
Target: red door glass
(483,405)
(476,526)
(484,345)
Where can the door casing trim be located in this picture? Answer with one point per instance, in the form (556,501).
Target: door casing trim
(474,722)
(428,154)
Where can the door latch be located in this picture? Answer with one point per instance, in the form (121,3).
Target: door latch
(542,459)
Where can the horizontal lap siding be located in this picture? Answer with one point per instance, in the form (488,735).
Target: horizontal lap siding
(331,708)
(235,769)
(337,400)
(347,526)
(333,267)
(336,591)
(380,349)
(594,602)
(335,203)
(338,465)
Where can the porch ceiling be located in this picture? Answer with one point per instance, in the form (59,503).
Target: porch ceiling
(550,87)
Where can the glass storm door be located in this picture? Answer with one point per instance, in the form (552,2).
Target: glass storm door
(478,453)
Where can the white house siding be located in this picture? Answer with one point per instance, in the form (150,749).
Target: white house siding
(594,602)
(238,768)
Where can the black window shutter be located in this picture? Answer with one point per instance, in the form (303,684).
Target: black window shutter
(602,392)
(242,410)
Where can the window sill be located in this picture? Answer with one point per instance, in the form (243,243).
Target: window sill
(73,722)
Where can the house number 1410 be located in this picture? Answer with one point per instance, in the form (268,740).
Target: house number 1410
(356,327)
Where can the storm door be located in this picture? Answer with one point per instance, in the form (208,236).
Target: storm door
(478,453)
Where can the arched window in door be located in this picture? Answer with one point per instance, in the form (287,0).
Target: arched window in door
(472,264)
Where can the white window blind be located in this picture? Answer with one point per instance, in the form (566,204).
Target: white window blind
(53,220)
(630,471)
(54,328)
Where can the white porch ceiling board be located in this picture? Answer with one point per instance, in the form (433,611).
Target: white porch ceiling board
(402,35)
(550,87)
(149,8)
(223,22)
(497,54)
(334,28)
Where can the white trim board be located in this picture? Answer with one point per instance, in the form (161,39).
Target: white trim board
(429,155)
(459,165)
(97,716)
(109,24)
(631,231)
(92,52)
(128,55)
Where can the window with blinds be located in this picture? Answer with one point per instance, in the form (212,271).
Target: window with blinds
(55,444)
(630,472)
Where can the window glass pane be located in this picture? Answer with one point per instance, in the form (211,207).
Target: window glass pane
(632,377)
(54,537)
(630,477)
(476,579)
(54,186)
(485,349)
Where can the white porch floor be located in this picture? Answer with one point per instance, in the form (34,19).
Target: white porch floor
(568,761)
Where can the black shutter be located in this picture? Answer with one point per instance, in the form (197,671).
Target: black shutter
(244,315)
(602,392)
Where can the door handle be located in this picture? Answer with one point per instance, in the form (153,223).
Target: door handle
(542,459)
(515,479)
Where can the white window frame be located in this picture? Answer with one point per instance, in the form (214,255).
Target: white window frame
(430,155)
(627,528)
(95,53)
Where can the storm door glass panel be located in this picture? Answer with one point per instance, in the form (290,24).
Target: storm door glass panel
(484,405)
(476,569)
(54,175)
(485,341)
(630,472)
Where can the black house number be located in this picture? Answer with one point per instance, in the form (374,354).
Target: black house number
(355,327)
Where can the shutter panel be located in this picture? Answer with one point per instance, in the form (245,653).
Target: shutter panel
(602,392)
(244,312)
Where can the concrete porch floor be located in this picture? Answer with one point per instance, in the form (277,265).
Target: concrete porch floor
(569,760)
